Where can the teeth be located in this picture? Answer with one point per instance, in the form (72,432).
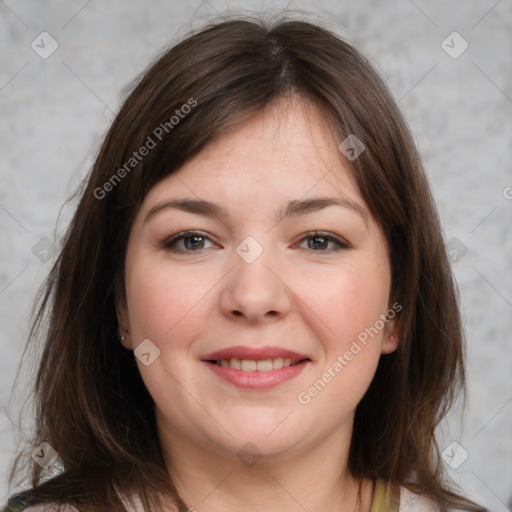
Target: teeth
(266,365)
(278,363)
(249,365)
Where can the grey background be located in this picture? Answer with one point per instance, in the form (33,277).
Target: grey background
(55,111)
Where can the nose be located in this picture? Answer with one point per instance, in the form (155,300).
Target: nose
(255,291)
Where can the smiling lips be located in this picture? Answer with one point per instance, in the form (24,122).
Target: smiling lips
(256,368)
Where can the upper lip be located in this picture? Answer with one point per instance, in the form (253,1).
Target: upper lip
(256,354)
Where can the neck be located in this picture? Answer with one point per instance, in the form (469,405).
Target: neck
(313,478)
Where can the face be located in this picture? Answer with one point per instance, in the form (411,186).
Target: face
(266,274)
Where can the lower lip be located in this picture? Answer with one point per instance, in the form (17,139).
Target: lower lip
(255,379)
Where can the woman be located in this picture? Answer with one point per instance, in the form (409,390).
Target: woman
(252,307)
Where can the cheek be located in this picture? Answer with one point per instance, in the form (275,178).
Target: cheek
(163,302)
(344,316)
(348,300)
(171,308)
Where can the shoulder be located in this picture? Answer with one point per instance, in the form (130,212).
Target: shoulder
(23,503)
(412,502)
(50,507)
(46,507)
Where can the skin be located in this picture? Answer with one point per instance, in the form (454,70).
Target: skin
(315,302)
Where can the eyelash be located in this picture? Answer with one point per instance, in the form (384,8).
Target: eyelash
(171,243)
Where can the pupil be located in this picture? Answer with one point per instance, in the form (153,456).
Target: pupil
(195,245)
(321,245)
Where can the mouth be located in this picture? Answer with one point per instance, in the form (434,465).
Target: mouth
(256,368)
(253,365)
(250,355)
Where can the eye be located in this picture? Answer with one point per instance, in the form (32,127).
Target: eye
(193,241)
(319,242)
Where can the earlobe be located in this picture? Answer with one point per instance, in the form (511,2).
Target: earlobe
(389,343)
(123,322)
(390,338)
(123,331)
(125,338)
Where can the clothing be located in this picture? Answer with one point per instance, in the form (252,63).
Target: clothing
(409,502)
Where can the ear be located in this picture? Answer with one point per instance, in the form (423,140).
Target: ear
(123,330)
(390,337)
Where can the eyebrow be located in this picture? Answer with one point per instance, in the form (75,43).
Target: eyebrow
(294,208)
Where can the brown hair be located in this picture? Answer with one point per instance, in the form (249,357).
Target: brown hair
(92,405)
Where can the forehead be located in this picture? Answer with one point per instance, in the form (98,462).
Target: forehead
(285,151)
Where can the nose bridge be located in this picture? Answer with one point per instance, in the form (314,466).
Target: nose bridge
(254,286)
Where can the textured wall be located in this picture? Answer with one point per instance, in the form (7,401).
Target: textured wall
(457,100)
